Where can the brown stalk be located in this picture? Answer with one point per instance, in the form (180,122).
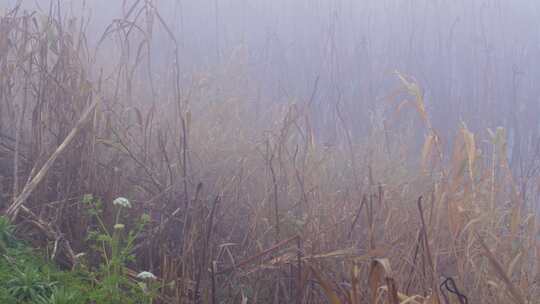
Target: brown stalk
(258,255)
(499,270)
(32,184)
(428,255)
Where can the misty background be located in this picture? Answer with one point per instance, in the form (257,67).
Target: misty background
(477,62)
(331,127)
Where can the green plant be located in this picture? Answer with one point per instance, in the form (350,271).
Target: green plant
(115,248)
(148,285)
(29,284)
(25,277)
(7,238)
(6,297)
(61,296)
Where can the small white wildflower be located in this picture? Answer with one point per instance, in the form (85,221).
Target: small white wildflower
(122,202)
(146,275)
(119,226)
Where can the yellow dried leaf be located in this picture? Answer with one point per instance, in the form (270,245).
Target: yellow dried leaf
(456,219)
(380,270)
(512,265)
(412,88)
(470,148)
(515,220)
(427,149)
(355,283)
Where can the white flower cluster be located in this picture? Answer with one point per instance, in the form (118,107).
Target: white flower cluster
(122,202)
(146,275)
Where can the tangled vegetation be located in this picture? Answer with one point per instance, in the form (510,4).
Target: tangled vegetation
(122,186)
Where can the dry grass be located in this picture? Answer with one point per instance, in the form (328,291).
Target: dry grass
(248,207)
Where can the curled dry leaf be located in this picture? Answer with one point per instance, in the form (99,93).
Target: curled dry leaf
(381,271)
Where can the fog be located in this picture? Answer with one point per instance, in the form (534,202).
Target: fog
(239,125)
(476,61)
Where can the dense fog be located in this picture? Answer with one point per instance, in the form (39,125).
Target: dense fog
(232,149)
(476,61)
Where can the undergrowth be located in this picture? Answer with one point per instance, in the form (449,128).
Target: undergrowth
(27,277)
